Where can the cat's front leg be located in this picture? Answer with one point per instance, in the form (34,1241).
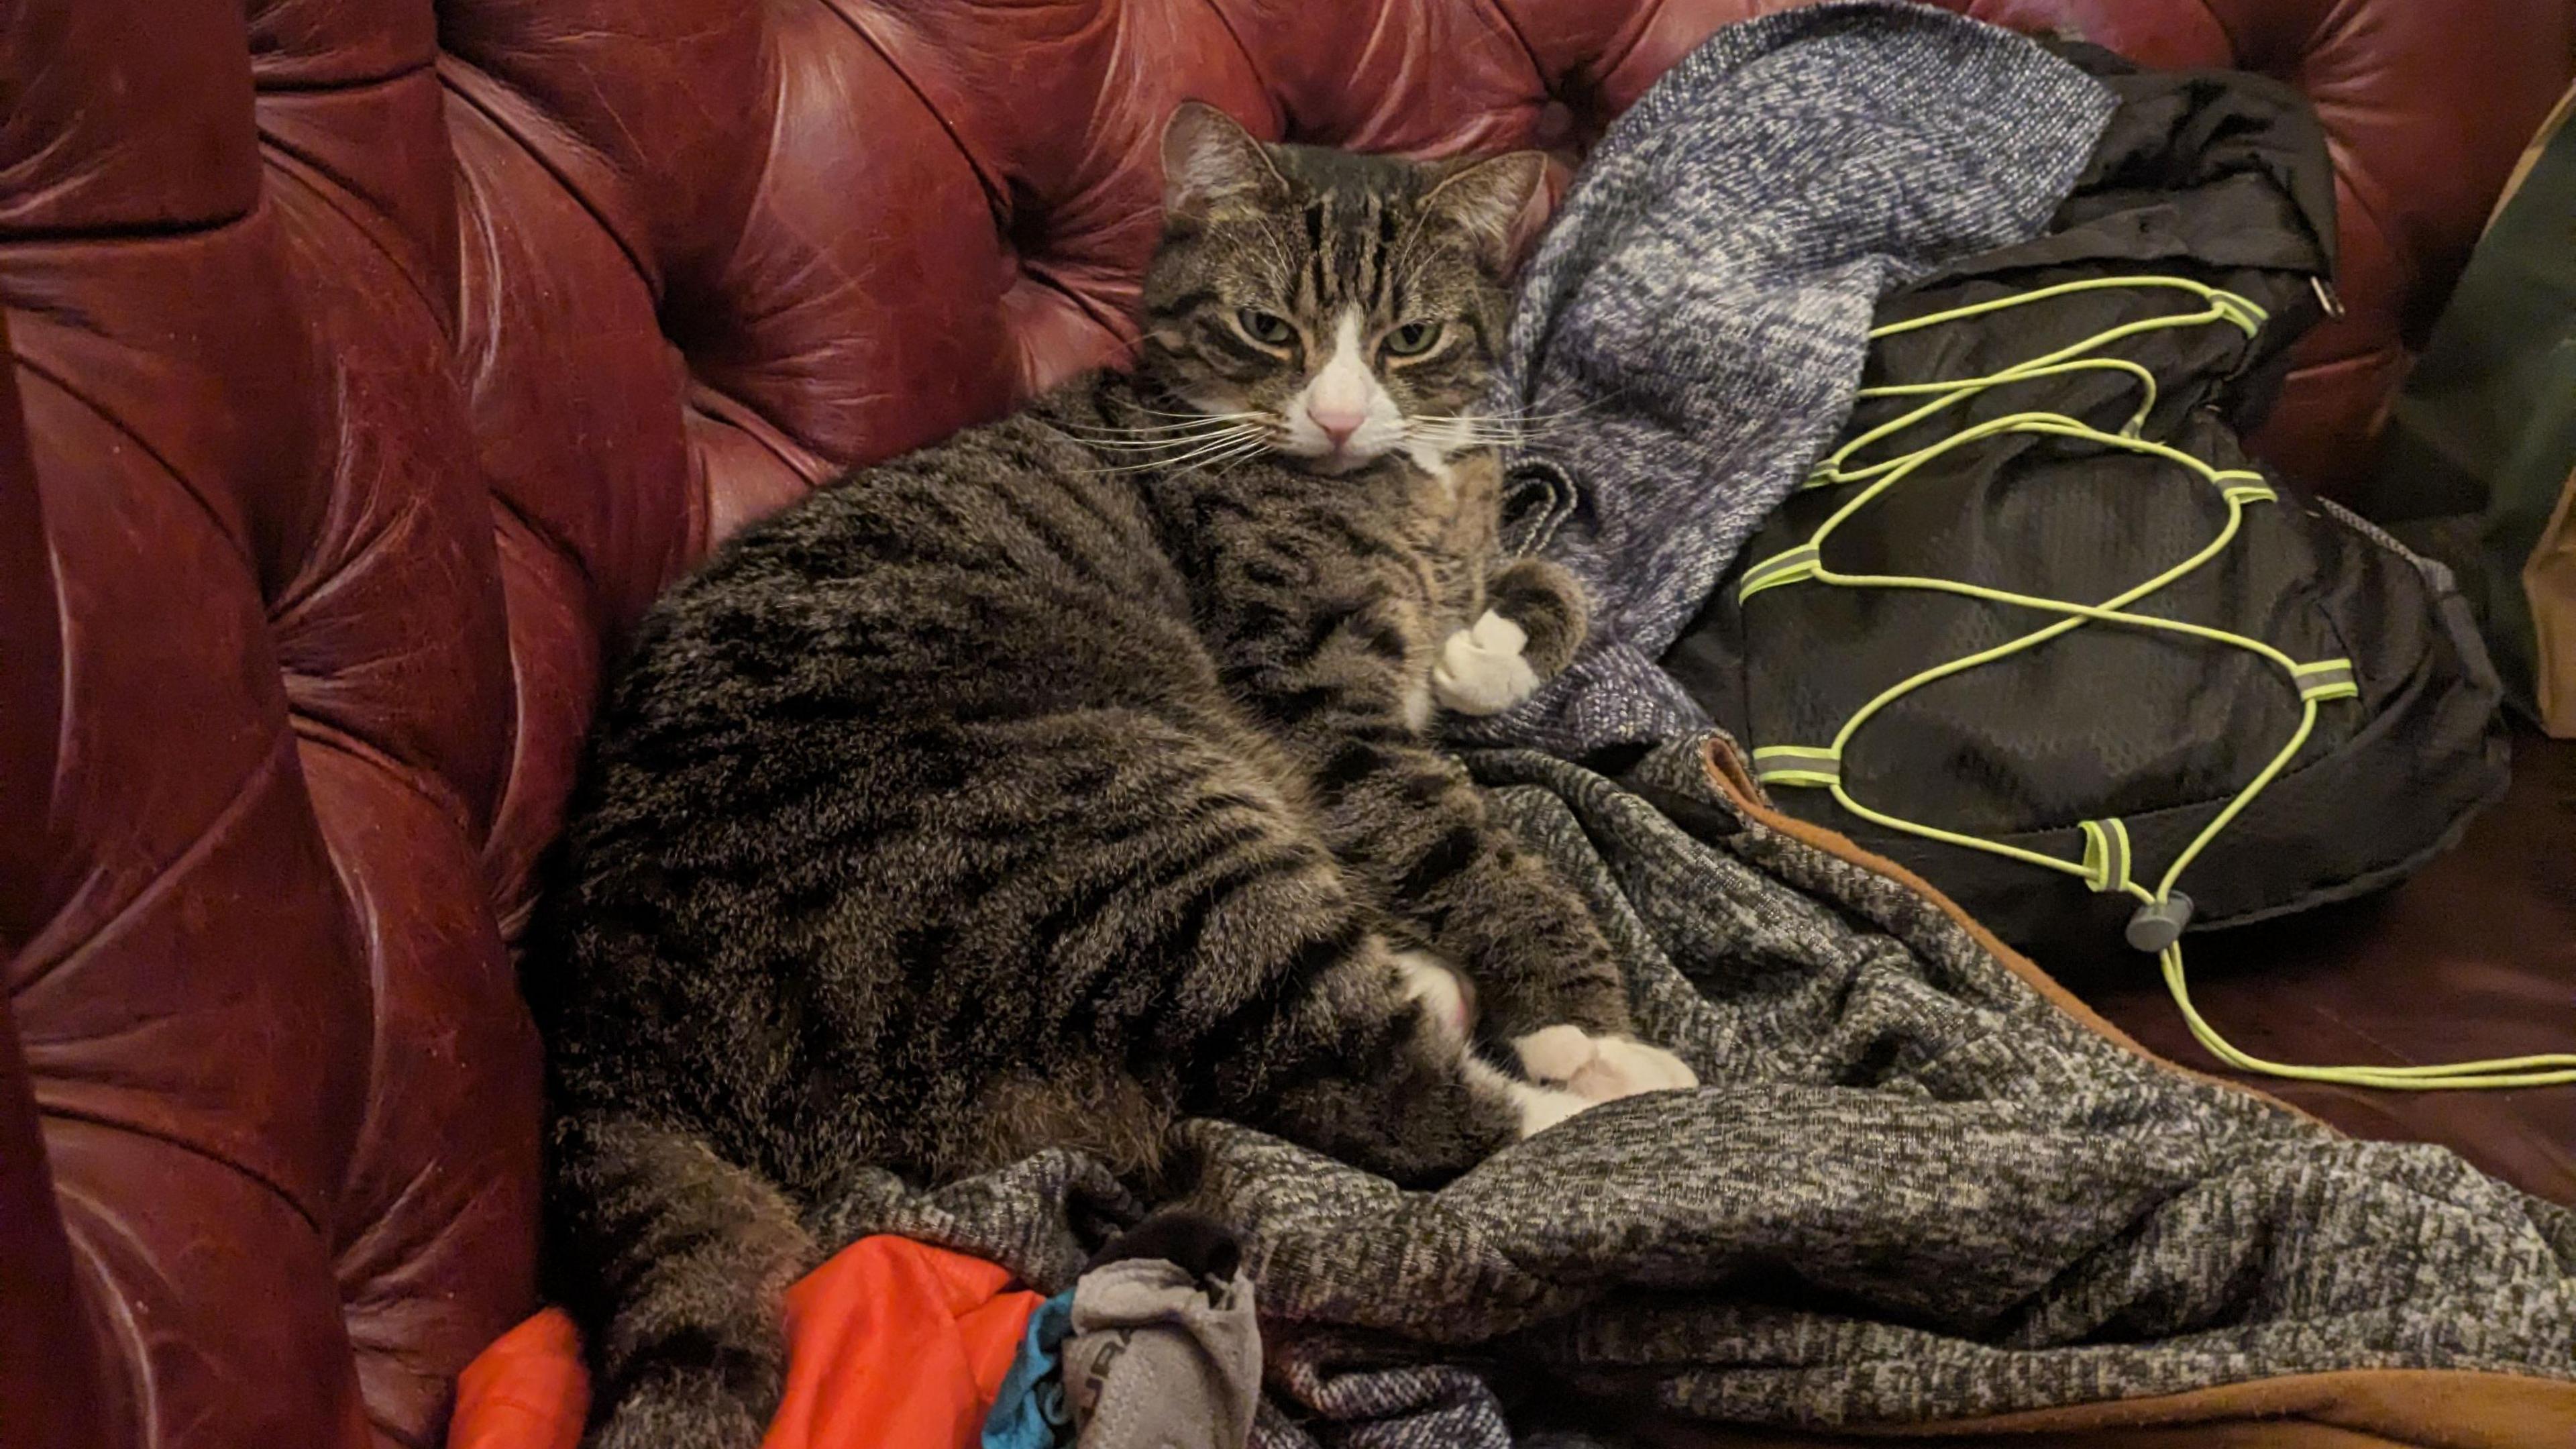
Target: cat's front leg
(1589,1066)
(1534,621)
(1536,981)
(1533,975)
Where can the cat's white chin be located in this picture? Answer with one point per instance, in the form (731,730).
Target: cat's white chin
(1330,461)
(1338,462)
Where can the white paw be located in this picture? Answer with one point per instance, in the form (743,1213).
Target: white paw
(1539,1107)
(1429,980)
(1555,1053)
(1544,1107)
(1627,1066)
(1600,1068)
(1481,670)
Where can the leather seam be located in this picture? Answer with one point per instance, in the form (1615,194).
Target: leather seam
(117,1309)
(238,547)
(1601,73)
(425,781)
(261,87)
(235,805)
(1251,62)
(996,198)
(275,1189)
(562,547)
(1503,19)
(1046,278)
(2235,42)
(317,179)
(651,276)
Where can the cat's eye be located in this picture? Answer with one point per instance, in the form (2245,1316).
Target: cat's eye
(1412,339)
(1268,328)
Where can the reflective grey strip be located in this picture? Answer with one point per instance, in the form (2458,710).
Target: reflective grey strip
(2327,679)
(2106,854)
(1797,765)
(1780,568)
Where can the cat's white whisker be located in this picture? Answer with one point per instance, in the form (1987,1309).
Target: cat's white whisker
(1223,449)
(1465,431)
(1235,437)
(1234,458)
(1245,448)
(1525,419)
(1183,440)
(1509,430)
(1163,429)
(1202,421)
(1199,417)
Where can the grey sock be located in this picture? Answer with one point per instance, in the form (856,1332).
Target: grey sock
(1160,1360)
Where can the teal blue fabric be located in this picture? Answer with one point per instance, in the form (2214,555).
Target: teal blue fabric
(1029,1412)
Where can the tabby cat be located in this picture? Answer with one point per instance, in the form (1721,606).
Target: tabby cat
(1072,776)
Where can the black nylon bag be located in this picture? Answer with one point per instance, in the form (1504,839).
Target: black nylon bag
(2222,179)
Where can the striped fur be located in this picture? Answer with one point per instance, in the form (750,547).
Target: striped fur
(1043,786)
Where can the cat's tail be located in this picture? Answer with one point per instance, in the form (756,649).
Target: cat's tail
(675,1263)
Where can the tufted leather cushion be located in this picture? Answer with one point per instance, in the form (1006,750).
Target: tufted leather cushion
(376,362)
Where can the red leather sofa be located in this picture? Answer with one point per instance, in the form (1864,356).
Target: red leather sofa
(376,361)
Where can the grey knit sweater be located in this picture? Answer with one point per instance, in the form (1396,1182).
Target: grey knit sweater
(1692,327)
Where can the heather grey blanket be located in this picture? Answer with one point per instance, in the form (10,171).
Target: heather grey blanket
(1910,1189)
(1691,328)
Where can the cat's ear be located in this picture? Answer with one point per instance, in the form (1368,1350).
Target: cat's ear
(1209,160)
(1493,203)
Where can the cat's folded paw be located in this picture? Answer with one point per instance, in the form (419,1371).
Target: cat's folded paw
(1600,1068)
(1627,1066)
(1544,1107)
(1481,669)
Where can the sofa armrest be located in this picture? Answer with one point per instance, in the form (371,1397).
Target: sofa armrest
(49,1363)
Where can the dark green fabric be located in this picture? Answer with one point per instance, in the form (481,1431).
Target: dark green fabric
(2484,433)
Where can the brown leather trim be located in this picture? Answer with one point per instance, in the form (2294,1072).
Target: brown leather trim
(2357,1409)
(1727,772)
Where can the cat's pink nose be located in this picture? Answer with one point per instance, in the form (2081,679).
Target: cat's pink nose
(1338,420)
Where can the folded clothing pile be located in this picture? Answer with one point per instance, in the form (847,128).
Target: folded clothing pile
(895,1344)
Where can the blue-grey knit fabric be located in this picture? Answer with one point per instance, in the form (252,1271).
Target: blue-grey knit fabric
(1691,328)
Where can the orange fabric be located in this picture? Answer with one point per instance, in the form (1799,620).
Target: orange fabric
(899,1345)
(526,1391)
(892,1344)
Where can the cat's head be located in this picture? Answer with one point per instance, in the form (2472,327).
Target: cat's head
(1332,307)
